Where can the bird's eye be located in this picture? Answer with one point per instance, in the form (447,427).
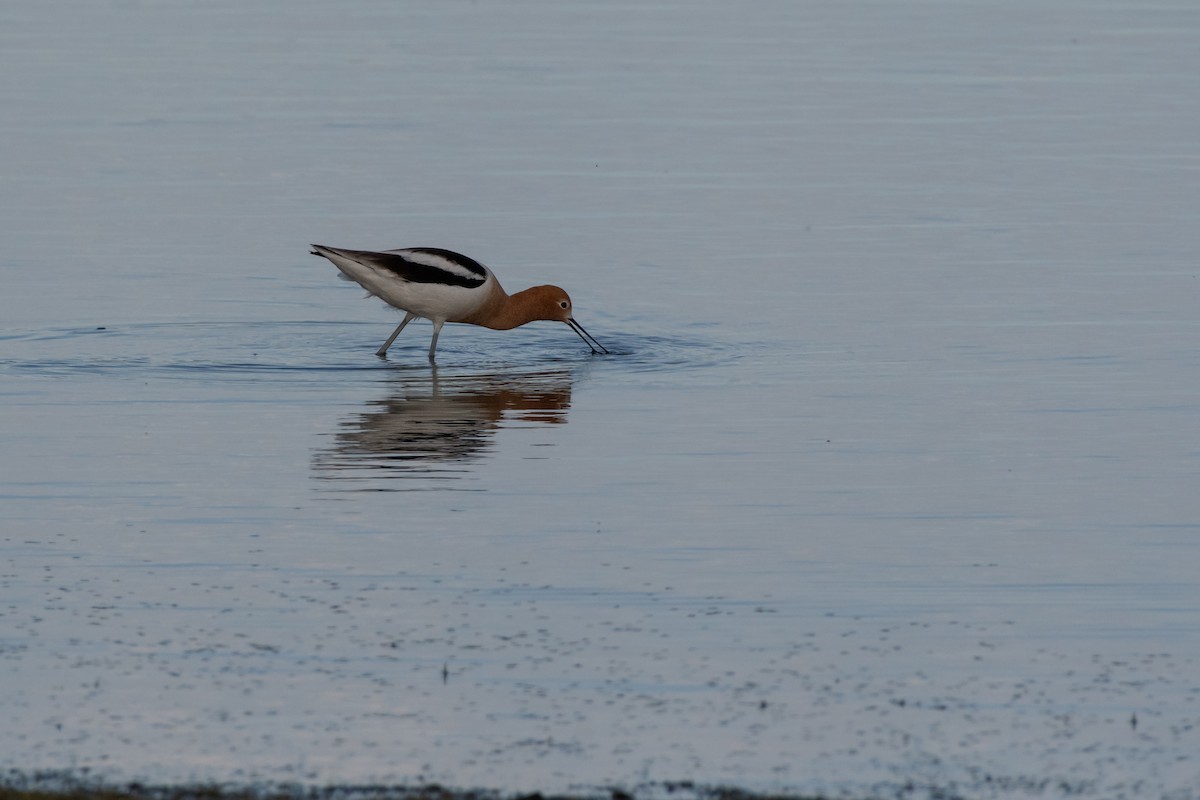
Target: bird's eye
(562,303)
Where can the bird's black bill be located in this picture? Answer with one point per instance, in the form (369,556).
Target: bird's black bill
(588,339)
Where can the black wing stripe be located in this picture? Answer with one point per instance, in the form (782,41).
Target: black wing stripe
(470,273)
(467,263)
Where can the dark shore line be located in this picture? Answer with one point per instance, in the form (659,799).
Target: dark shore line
(56,786)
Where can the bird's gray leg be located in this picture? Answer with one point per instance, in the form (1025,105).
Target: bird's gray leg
(383,350)
(437,328)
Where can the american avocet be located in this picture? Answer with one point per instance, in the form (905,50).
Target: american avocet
(444,286)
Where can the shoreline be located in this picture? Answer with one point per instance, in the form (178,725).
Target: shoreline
(57,786)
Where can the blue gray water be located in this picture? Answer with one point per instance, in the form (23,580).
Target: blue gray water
(890,478)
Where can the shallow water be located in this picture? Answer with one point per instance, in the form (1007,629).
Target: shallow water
(887,486)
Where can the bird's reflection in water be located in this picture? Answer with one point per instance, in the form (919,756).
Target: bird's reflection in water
(433,428)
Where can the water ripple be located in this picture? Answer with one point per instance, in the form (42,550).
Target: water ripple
(272,350)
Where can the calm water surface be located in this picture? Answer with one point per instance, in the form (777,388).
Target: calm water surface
(888,485)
